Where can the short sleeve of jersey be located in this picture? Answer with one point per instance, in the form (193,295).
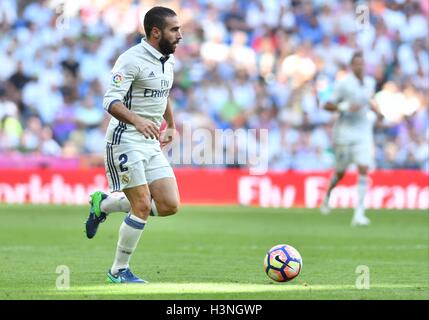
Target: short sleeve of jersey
(122,75)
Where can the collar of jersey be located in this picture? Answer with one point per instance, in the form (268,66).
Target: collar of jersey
(152,50)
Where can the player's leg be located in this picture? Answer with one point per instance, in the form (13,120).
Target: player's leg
(120,174)
(165,202)
(163,186)
(102,204)
(359,218)
(363,157)
(165,194)
(335,179)
(341,163)
(109,203)
(165,199)
(154,171)
(129,234)
(112,203)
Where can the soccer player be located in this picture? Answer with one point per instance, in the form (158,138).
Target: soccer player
(137,99)
(353,132)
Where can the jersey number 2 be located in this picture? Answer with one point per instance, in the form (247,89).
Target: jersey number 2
(123,158)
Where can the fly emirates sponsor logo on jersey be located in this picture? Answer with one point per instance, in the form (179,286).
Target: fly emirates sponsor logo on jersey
(158,93)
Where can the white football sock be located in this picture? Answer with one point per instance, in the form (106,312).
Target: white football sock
(115,204)
(361,189)
(154,210)
(129,235)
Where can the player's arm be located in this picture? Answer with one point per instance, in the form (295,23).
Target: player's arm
(373,103)
(144,126)
(336,102)
(169,133)
(374,106)
(123,74)
(329,106)
(168,116)
(341,106)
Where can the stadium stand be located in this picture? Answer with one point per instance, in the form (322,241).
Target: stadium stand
(242,64)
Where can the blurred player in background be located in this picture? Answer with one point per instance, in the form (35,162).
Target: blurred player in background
(353,132)
(137,98)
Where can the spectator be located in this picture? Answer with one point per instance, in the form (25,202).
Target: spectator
(242,64)
(48,146)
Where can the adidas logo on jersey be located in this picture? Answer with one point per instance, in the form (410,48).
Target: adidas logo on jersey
(151,75)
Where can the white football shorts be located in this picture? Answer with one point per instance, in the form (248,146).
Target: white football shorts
(358,153)
(131,165)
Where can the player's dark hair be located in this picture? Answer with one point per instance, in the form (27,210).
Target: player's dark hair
(155,17)
(356,55)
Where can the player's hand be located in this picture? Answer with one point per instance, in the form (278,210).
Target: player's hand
(147,128)
(167,136)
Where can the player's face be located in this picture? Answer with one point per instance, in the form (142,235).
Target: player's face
(358,66)
(170,36)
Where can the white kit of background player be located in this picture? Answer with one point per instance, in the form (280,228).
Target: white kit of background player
(353,132)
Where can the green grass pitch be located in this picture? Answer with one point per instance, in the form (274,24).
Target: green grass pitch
(215,253)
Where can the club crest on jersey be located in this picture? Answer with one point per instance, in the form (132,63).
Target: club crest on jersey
(117,79)
(125,179)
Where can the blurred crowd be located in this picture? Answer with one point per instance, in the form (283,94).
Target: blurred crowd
(252,64)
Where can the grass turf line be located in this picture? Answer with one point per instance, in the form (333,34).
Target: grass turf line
(215,253)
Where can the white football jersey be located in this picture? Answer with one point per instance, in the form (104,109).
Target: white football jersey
(141,79)
(354,127)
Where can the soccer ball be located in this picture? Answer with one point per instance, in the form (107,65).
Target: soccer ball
(282,263)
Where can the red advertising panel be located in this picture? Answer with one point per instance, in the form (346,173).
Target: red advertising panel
(387,189)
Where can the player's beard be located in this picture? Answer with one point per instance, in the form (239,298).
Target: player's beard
(165,46)
(359,73)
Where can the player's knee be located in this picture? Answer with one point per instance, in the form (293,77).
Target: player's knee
(142,208)
(170,208)
(363,170)
(174,209)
